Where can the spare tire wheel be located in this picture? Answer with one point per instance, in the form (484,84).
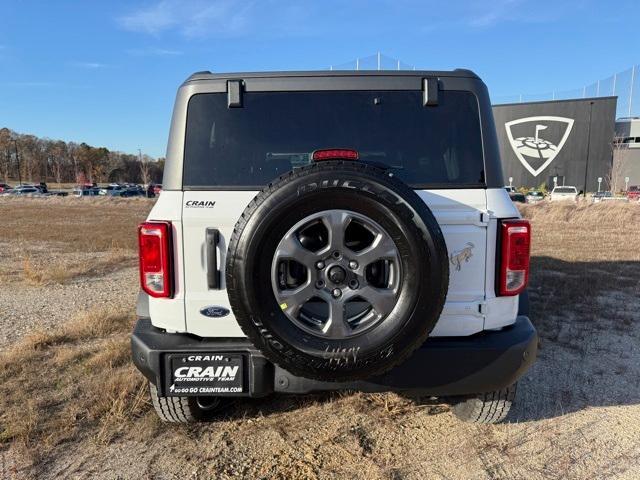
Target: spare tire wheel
(337,271)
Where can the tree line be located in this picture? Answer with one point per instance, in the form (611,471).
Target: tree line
(32,159)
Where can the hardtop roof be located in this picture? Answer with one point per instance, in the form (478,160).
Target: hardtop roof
(207,75)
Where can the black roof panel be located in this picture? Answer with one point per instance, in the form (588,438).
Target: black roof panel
(460,73)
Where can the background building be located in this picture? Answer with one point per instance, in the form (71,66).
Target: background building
(626,153)
(572,140)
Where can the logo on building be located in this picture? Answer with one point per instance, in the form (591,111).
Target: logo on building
(540,140)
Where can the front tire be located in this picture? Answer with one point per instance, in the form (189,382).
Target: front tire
(186,409)
(490,407)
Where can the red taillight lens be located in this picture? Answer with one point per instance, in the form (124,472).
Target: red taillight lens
(334,154)
(154,241)
(515,245)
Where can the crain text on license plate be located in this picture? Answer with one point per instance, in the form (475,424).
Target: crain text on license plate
(205,374)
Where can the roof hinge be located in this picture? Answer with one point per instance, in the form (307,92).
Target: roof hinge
(485,217)
(234,93)
(429,91)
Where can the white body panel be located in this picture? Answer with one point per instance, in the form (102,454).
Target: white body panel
(225,213)
(168,313)
(467,218)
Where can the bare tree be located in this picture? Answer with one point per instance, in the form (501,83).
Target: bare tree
(6,164)
(5,153)
(620,157)
(27,157)
(58,160)
(72,148)
(143,160)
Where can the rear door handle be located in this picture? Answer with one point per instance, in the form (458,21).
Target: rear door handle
(213,274)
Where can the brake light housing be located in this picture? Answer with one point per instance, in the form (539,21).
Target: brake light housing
(335,154)
(156,269)
(515,249)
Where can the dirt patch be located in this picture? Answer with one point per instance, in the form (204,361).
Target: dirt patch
(59,384)
(578,411)
(74,224)
(61,256)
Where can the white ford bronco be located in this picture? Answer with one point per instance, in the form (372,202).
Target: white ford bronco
(333,231)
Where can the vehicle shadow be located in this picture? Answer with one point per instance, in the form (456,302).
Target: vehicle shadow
(588,319)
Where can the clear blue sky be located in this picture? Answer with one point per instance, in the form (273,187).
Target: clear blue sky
(106,72)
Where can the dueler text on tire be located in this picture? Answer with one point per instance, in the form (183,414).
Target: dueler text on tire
(337,271)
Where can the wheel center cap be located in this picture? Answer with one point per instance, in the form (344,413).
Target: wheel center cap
(336,275)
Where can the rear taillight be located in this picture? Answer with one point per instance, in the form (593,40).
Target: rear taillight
(154,241)
(515,245)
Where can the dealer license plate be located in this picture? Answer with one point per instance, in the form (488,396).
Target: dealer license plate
(205,374)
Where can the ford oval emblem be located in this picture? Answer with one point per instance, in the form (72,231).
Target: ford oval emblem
(215,311)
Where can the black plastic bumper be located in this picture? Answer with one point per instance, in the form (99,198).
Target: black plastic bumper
(441,367)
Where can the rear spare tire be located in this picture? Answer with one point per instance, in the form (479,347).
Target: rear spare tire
(337,271)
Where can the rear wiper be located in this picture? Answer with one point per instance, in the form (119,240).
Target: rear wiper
(384,166)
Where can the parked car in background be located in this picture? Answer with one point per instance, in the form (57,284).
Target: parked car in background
(607,197)
(510,189)
(134,191)
(26,190)
(599,196)
(113,190)
(517,197)
(564,193)
(4,187)
(85,191)
(534,196)
(633,194)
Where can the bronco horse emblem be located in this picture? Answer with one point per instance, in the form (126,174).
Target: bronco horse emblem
(463,255)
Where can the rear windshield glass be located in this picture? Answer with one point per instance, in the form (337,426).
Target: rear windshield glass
(565,190)
(273,132)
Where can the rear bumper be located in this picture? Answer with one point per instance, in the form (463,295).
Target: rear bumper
(441,367)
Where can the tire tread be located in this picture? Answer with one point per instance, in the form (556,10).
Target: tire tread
(171,409)
(490,407)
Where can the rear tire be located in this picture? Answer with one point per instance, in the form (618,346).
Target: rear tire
(186,409)
(490,407)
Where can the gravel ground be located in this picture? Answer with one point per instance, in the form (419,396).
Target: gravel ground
(577,414)
(24,308)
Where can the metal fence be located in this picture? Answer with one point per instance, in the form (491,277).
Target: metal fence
(625,85)
(377,61)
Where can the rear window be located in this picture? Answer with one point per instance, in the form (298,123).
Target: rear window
(434,146)
(565,190)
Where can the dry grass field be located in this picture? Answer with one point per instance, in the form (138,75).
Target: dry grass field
(72,405)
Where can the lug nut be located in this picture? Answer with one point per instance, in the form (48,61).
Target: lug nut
(320,265)
(337,292)
(353,264)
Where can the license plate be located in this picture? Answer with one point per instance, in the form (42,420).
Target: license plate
(205,374)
